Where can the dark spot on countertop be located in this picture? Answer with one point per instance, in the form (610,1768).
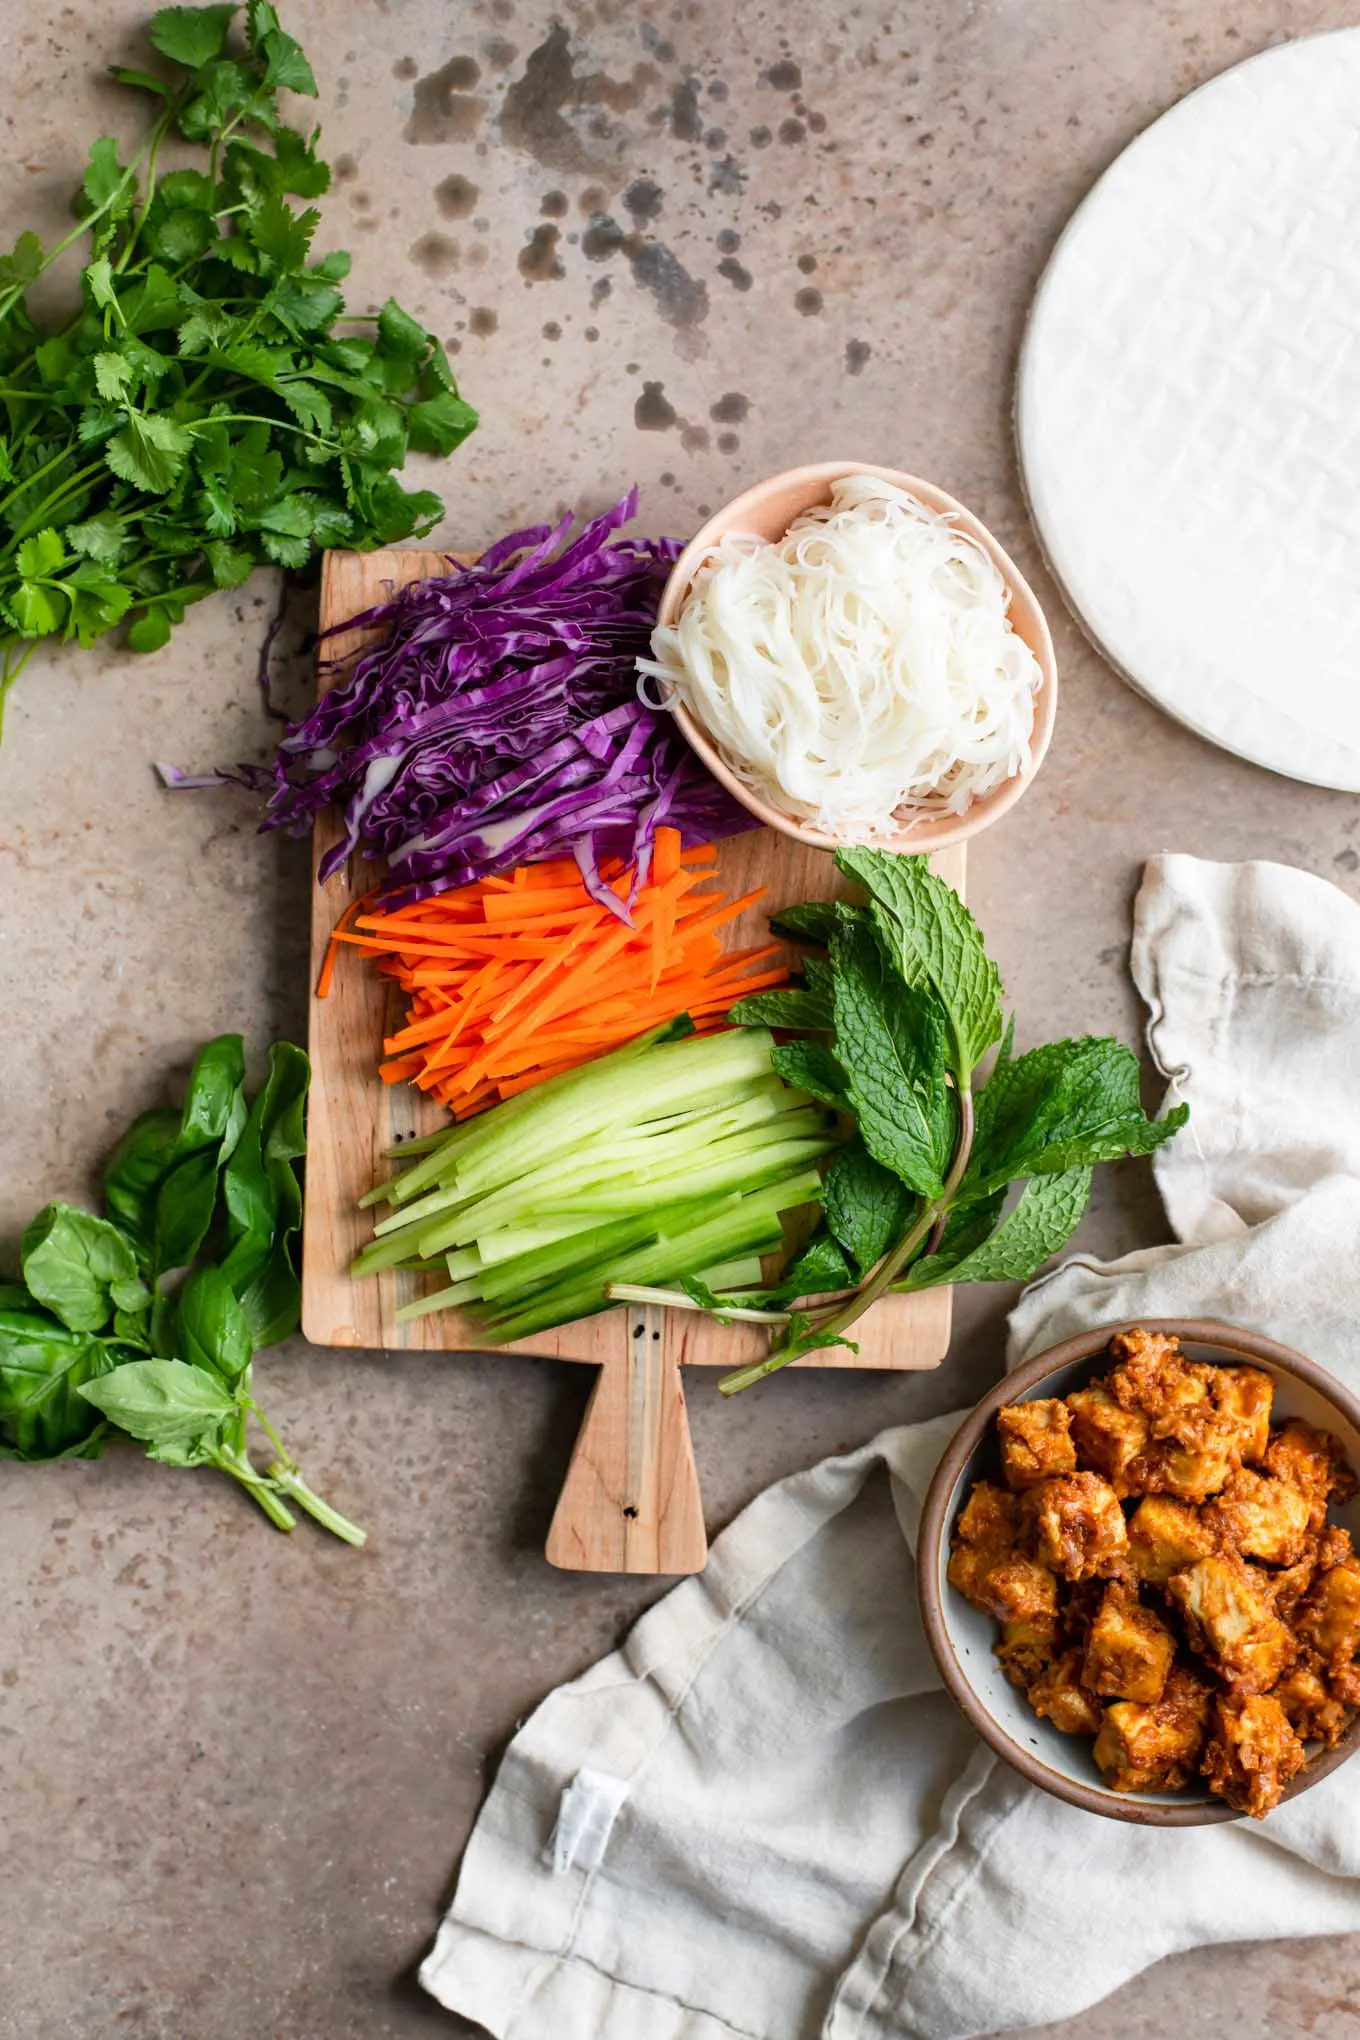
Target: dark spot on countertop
(785,76)
(655,43)
(345,168)
(792,131)
(718,89)
(761,138)
(436,254)
(728,241)
(644,199)
(361,201)
(453,345)
(592,199)
(499,53)
(602,238)
(591,333)
(736,273)
(727,176)
(552,331)
(808,302)
(681,299)
(406,67)
(652,412)
(536,105)
(716,139)
(554,205)
(445,108)
(482,321)
(685,121)
(728,442)
(539,260)
(807,263)
(694,438)
(730,408)
(857,352)
(817,122)
(666,479)
(599,291)
(455,196)
(1345,860)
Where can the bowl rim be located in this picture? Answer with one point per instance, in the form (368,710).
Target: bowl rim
(1239,1343)
(930,834)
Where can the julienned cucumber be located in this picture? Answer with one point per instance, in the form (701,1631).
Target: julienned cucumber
(665,1159)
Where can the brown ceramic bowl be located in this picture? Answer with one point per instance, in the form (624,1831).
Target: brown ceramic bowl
(961,1637)
(768,510)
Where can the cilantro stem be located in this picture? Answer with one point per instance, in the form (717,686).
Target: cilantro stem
(12,668)
(841,1316)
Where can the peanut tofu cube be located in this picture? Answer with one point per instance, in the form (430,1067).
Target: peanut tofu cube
(1058,1695)
(1155,1747)
(1314,1463)
(1015,1589)
(1077,1525)
(1156,1379)
(1261,1517)
(1314,1714)
(1252,1752)
(1190,1474)
(1026,1649)
(1130,1650)
(1165,1536)
(1329,1621)
(983,1536)
(1107,1436)
(1036,1441)
(1244,1396)
(1231,1622)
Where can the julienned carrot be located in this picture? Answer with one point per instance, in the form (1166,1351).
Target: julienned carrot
(516,979)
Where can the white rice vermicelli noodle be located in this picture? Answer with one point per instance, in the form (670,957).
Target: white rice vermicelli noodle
(859,672)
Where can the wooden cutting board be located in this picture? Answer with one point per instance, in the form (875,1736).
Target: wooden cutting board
(631,1500)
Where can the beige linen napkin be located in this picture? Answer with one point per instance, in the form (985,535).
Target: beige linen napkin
(761,1819)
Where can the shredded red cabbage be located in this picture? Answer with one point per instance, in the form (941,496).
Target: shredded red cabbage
(498,723)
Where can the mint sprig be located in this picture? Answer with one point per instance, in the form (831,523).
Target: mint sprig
(920,1198)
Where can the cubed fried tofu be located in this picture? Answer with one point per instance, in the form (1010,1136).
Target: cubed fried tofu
(1059,1696)
(1016,1589)
(1077,1525)
(1343,1683)
(1329,1620)
(1168,1468)
(1129,1651)
(984,1535)
(1261,1517)
(1244,1395)
(1155,1746)
(1026,1649)
(1108,1437)
(1313,1462)
(1314,1714)
(1165,1536)
(1171,1391)
(1252,1752)
(1230,1621)
(1036,1441)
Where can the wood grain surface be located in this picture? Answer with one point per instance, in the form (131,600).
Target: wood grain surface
(631,1500)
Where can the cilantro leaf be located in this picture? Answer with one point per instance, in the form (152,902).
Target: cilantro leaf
(105,177)
(890,1040)
(101,538)
(149,451)
(191,36)
(1065,1106)
(440,423)
(1048,1213)
(42,554)
(936,943)
(278,234)
(37,610)
(23,263)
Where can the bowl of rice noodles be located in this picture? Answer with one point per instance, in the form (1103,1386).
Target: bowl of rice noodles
(851,652)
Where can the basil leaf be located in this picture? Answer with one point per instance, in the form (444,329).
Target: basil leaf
(72,1263)
(135,1171)
(866,1206)
(43,1366)
(213,1333)
(890,1040)
(936,943)
(264,1201)
(1048,1213)
(161,1180)
(1068,1105)
(162,1402)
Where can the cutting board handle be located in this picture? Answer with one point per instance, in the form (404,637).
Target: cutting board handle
(631,1499)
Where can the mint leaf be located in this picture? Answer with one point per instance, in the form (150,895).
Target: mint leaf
(42,554)
(815,920)
(890,1041)
(1066,1106)
(801,1336)
(1047,1215)
(162,1402)
(865,1205)
(149,451)
(191,36)
(936,943)
(810,1067)
(800,1007)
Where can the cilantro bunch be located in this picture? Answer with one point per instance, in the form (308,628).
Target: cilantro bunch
(897,1015)
(202,411)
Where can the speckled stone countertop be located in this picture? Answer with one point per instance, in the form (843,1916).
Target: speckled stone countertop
(682,244)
